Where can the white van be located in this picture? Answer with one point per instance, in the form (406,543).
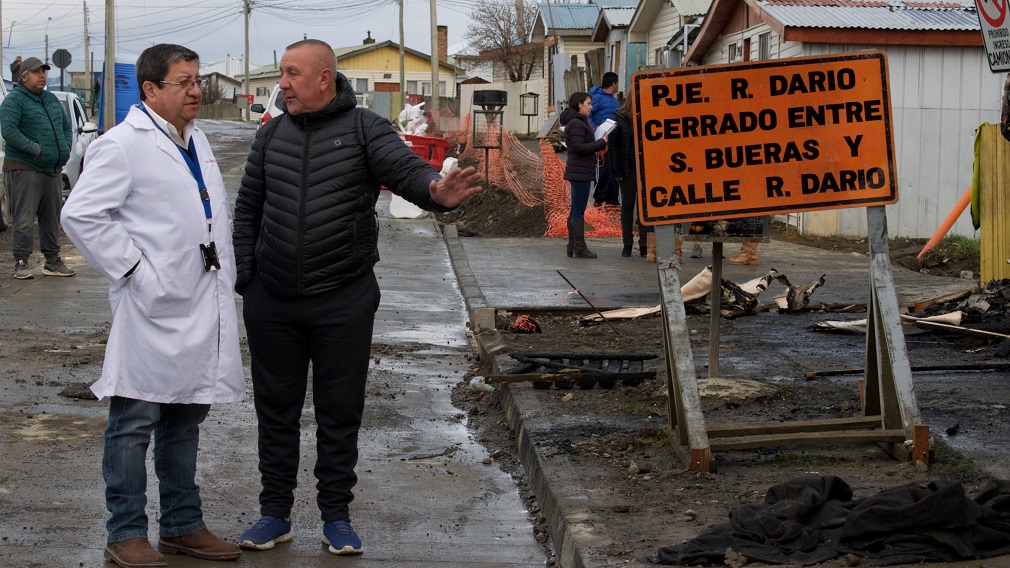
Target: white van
(5,208)
(83,133)
(271,110)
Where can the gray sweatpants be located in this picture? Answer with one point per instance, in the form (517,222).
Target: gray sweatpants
(35,194)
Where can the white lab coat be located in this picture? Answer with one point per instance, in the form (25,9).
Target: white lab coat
(174,336)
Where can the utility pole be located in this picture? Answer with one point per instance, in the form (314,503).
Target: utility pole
(88,80)
(109,76)
(435,92)
(403,79)
(47,39)
(245,83)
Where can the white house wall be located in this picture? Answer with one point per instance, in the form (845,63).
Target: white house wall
(514,121)
(718,53)
(939,97)
(666,25)
(579,47)
(568,46)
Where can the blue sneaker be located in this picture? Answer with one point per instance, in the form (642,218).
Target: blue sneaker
(267,532)
(341,538)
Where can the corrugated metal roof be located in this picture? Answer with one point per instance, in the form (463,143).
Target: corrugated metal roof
(569,16)
(616,3)
(873,14)
(617,17)
(688,8)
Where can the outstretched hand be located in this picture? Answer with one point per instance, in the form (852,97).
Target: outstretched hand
(455,187)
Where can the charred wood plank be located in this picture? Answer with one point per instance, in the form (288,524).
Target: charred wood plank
(806,439)
(736,429)
(554,377)
(918,368)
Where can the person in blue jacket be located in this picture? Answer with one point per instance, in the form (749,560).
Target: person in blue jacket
(605,103)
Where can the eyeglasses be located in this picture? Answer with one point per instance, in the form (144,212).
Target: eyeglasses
(187,84)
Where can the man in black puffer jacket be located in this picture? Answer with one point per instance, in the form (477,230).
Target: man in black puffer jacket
(306,239)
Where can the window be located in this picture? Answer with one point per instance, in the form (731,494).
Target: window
(426,88)
(734,53)
(412,87)
(765,46)
(82,115)
(441,88)
(360,85)
(262,92)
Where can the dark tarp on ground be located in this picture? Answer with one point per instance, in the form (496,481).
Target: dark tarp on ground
(812,519)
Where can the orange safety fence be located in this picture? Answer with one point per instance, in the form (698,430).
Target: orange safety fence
(533,179)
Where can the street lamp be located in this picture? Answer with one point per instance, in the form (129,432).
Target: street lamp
(47,39)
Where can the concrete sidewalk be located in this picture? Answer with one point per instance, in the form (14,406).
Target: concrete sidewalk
(522,273)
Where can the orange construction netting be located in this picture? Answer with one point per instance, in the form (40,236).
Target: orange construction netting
(533,178)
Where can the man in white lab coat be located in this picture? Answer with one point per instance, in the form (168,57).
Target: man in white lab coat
(150,212)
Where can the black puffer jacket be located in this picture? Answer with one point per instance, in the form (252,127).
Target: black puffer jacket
(582,146)
(305,214)
(621,147)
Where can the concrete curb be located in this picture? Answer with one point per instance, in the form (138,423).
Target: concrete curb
(489,341)
(564,509)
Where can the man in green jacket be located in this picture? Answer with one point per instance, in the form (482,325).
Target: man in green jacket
(38,136)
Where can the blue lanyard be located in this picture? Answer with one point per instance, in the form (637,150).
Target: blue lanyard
(192,161)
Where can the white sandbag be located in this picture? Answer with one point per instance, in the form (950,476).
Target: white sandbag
(400,208)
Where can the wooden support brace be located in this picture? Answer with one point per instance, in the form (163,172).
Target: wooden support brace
(920,444)
(701,460)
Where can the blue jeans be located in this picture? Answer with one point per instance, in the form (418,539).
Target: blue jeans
(580,197)
(176,429)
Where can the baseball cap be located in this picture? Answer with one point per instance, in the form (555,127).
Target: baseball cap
(32,64)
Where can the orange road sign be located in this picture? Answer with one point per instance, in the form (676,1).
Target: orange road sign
(748,139)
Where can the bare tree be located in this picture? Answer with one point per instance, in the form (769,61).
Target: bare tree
(499,32)
(212,91)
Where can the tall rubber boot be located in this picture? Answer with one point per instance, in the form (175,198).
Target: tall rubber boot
(678,249)
(580,250)
(571,239)
(650,247)
(748,255)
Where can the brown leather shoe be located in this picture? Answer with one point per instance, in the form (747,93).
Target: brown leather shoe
(134,553)
(200,544)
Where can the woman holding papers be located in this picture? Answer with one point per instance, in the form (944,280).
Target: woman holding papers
(580,169)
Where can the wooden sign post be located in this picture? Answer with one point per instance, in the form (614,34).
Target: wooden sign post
(767,137)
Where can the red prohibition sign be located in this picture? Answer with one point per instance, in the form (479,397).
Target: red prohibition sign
(1000,11)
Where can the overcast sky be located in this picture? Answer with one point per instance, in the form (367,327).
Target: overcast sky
(214,29)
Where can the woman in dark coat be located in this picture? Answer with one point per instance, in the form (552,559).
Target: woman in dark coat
(623,169)
(580,169)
